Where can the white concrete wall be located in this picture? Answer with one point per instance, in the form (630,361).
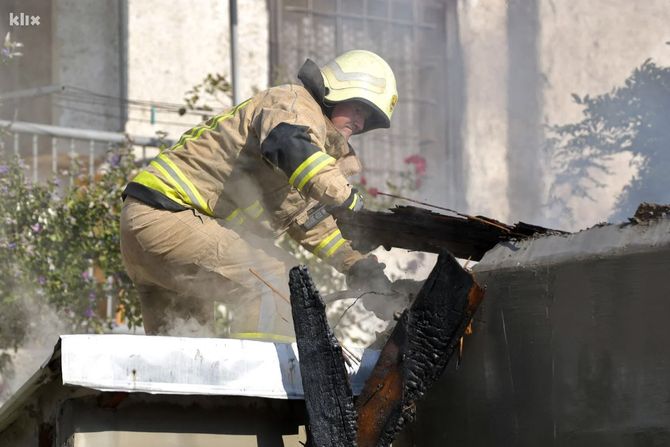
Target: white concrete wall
(482,25)
(592,47)
(173,47)
(86,55)
(168,48)
(582,47)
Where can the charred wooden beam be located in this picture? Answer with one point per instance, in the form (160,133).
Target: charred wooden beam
(415,356)
(417,352)
(328,396)
(649,211)
(420,229)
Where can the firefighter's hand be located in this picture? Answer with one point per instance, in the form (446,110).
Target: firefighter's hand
(368,274)
(353,203)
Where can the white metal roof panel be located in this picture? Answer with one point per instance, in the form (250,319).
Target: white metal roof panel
(180,365)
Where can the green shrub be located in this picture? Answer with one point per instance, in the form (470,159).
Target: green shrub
(59,247)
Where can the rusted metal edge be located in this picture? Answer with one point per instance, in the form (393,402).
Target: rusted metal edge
(417,352)
(328,397)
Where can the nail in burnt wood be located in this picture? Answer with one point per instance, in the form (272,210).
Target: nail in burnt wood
(417,352)
(328,396)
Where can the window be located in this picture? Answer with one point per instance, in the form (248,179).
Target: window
(408,34)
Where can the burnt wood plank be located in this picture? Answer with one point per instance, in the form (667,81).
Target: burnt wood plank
(416,354)
(328,396)
(420,229)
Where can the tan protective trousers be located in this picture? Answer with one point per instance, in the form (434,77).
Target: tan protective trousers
(182,263)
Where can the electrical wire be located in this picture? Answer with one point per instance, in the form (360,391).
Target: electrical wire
(174,107)
(75,97)
(84,96)
(129,118)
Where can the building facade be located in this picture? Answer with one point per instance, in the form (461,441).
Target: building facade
(478,80)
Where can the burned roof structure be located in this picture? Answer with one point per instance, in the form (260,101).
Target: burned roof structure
(419,229)
(412,359)
(571,345)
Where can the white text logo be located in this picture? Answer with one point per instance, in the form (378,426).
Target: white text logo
(22,19)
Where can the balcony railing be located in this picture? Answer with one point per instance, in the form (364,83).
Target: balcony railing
(52,148)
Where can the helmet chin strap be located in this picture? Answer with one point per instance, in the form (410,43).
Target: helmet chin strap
(328,109)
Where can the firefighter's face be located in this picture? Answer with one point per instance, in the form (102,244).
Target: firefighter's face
(349,117)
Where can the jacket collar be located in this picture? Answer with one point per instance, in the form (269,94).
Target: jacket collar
(311,78)
(336,145)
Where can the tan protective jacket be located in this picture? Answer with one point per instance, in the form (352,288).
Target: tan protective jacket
(260,167)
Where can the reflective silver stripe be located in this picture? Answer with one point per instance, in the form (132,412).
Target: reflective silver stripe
(326,248)
(356,76)
(307,170)
(175,177)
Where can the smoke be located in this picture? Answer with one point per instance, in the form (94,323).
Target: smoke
(178,326)
(241,288)
(357,321)
(45,325)
(367,320)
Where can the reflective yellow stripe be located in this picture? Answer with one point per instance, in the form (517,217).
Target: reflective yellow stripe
(197,132)
(262,336)
(236,217)
(353,202)
(180,187)
(254,210)
(175,185)
(315,171)
(183,138)
(176,189)
(325,242)
(184,183)
(330,244)
(151,181)
(335,247)
(309,168)
(315,156)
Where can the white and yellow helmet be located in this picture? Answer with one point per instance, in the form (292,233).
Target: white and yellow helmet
(362,76)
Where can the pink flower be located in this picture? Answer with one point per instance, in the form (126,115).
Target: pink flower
(419,163)
(374,192)
(363,180)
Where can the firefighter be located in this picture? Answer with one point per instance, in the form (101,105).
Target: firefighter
(197,220)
